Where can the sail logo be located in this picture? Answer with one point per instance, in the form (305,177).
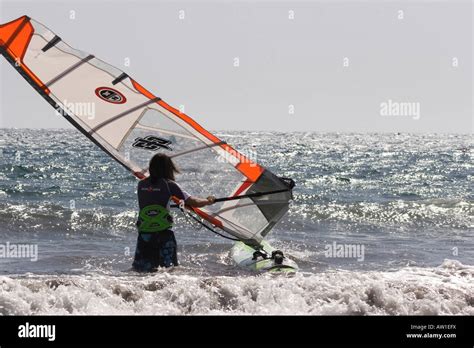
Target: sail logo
(152,143)
(110,95)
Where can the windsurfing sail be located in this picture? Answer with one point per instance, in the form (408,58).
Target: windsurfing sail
(130,124)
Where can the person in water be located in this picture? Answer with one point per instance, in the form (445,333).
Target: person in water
(156,243)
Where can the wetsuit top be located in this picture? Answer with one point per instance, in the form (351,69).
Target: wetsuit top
(154,201)
(159,192)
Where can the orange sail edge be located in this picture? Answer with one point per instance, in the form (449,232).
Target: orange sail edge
(7,29)
(208,217)
(15,37)
(139,175)
(201,213)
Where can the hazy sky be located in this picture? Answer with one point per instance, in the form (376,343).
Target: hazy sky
(291,75)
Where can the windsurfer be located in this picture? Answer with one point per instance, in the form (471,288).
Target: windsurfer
(156,243)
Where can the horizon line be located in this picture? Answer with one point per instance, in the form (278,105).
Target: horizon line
(276,131)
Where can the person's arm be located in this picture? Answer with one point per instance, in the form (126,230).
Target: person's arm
(199,202)
(189,200)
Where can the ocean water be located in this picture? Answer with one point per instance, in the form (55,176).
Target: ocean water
(406,199)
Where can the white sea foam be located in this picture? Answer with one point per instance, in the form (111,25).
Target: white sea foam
(409,291)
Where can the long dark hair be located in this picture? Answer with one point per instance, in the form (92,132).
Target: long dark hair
(162,167)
